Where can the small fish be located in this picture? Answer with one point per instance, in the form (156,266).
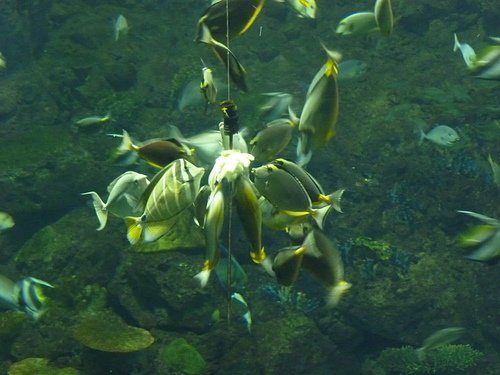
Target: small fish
(304,8)
(25,295)
(319,115)
(3,61)
(277,106)
(93,120)
(287,264)
(156,152)
(241,13)
(190,95)
(124,193)
(6,221)
(239,277)
(384,17)
(486,236)
(468,53)
(357,23)
(441,135)
(487,63)
(207,85)
(172,190)
(495,170)
(241,308)
(120,27)
(270,141)
(439,338)
(350,70)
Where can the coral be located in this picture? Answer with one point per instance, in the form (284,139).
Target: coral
(447,359)
(39,366)
(181,356)
(106,332)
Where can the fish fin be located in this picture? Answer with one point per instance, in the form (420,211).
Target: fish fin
(156,229)
(421,135)
(295,213)
(203,277)
(126,144)
(336,292)
(456,45)
(319,215)
(100,209)
(134,229)
(335,198)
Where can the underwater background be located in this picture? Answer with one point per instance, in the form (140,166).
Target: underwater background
(397,233)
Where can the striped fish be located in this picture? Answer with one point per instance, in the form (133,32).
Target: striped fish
(172,190)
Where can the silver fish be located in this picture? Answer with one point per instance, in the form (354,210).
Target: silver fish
(124,193)
(120,27)
(468,53)
(93,120)
(304,8)
(357,23)
(441,135)
(439,338)
(207,85)
(350,70)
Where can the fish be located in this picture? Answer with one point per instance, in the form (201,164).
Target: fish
(190,95)
(350,70)
(240,307)
(241,13)
(468,53)
(319,115)
(384,17)
(294,191)
(6,221)
(277,105)
(172,189)
(441,135)
(287,264)
(124,194)
(304,8)
(3,61)
(120,26)
(200,206)
(248,209)
(487,63)
(486,237)
(236,71)
(207,85)
(93,120)
(270,141)
(239,277)
(495,171)
(357,23)
(275,219)
(213,223)
(156,152)
(25,295)
(439,338)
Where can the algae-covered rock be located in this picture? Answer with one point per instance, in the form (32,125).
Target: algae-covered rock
(38,366)
(10,323)
(181,356)
(184,234)
(107,332)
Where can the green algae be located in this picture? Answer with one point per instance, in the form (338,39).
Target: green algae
(38,366)
(107,332)
(181,356)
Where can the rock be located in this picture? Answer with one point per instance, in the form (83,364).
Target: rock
(39,366)
(179,355)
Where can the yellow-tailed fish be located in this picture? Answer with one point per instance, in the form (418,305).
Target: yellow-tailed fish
(207,85)
(275,219)
(213,222)
(172,189)
(156,152)
(487,63)
(357,23)
(319,116)
(251,217)
(485,237)
(124,194)
(237,72)
(304,8)
(93,120)
(242,14)
(272,139)
(323,260)
(287,264)
(384,17)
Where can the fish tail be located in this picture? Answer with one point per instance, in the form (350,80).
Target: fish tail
(260,257)
(319,215)
(456,45)
(204,275)
(134,229)
(421,134)
(100,209)
(336,292)
(335,198)
(126,144)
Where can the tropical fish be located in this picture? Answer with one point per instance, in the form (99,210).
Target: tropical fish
(495,170)
(274,218)
(6,221)
(439,338)
(3,61)
(304,8)
(239,277)
(25,295)
(241,13)
(120,27)
(468,53)
(190,95)
(357,23)
(441,135)
(287,264)
(156,152)
(270,141)
(486,236)
(93,120)
(237,72)
(207,85)
(172,190)
(213,222)
(319,115)
(350,70)
(240,307)
(384,17)
(124,193)
(277,106)
(487,63)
